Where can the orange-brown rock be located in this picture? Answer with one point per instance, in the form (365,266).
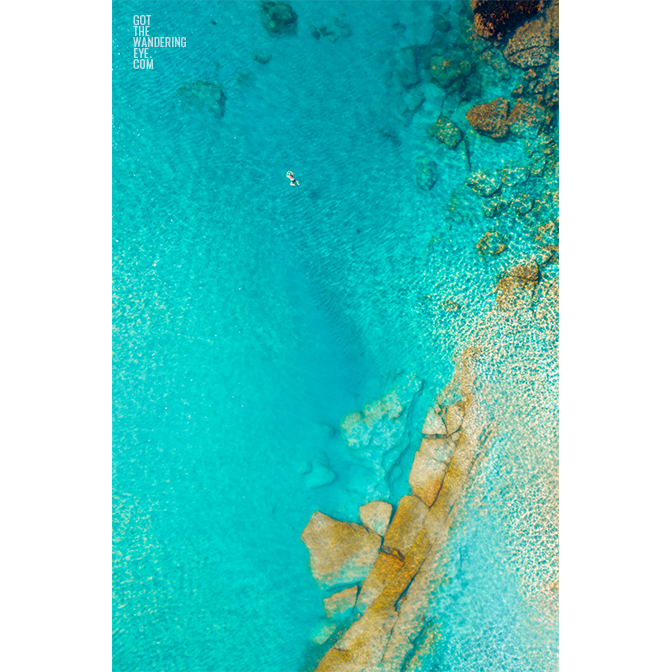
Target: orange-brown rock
(453,485)
(530,45)
(527,118)
(446,131)
(426,477)
(493,17)
(515,288)
(414,559)
(490,118)
(339,552)
(385,568)
(363,645)
(405,525)
(547,234)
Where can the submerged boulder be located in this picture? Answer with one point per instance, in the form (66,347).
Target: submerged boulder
(490,118)
(278,18)
(448,71)
(497,62)
(493,17)
(319,473)
(483,184)
(526,119)
(339,552)
(426,173)
(446,131)
(204,96)
(376,516)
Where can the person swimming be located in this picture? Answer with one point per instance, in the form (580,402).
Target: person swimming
(292,180)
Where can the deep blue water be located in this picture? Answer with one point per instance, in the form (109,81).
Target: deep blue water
(250,317)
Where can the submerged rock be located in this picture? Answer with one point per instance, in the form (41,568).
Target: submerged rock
(515,288)
(323,632)
(426,477)
(278,18)
(426,173)
(434,424)
(446,131)
(319,473)
(497,62)
(332,29)
(526,119)
(262,57)
(376,516)
(490,118)
(530,45)
(405,526)
(204,96)
(376,436)
(339,552)
(492,243)
(483,184)
(341,602)
(493,206)
(440,23)
(448,71)
(493,17)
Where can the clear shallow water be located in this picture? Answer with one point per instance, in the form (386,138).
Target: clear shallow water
(250,317)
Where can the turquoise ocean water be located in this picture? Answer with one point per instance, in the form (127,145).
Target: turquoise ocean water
(250,317)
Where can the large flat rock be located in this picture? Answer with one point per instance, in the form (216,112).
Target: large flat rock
(426,477)
(376,516)
(339,552)
(490,118)
(363,645)
(382,573)
(405,526)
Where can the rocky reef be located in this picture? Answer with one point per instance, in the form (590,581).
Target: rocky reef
(394,573)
